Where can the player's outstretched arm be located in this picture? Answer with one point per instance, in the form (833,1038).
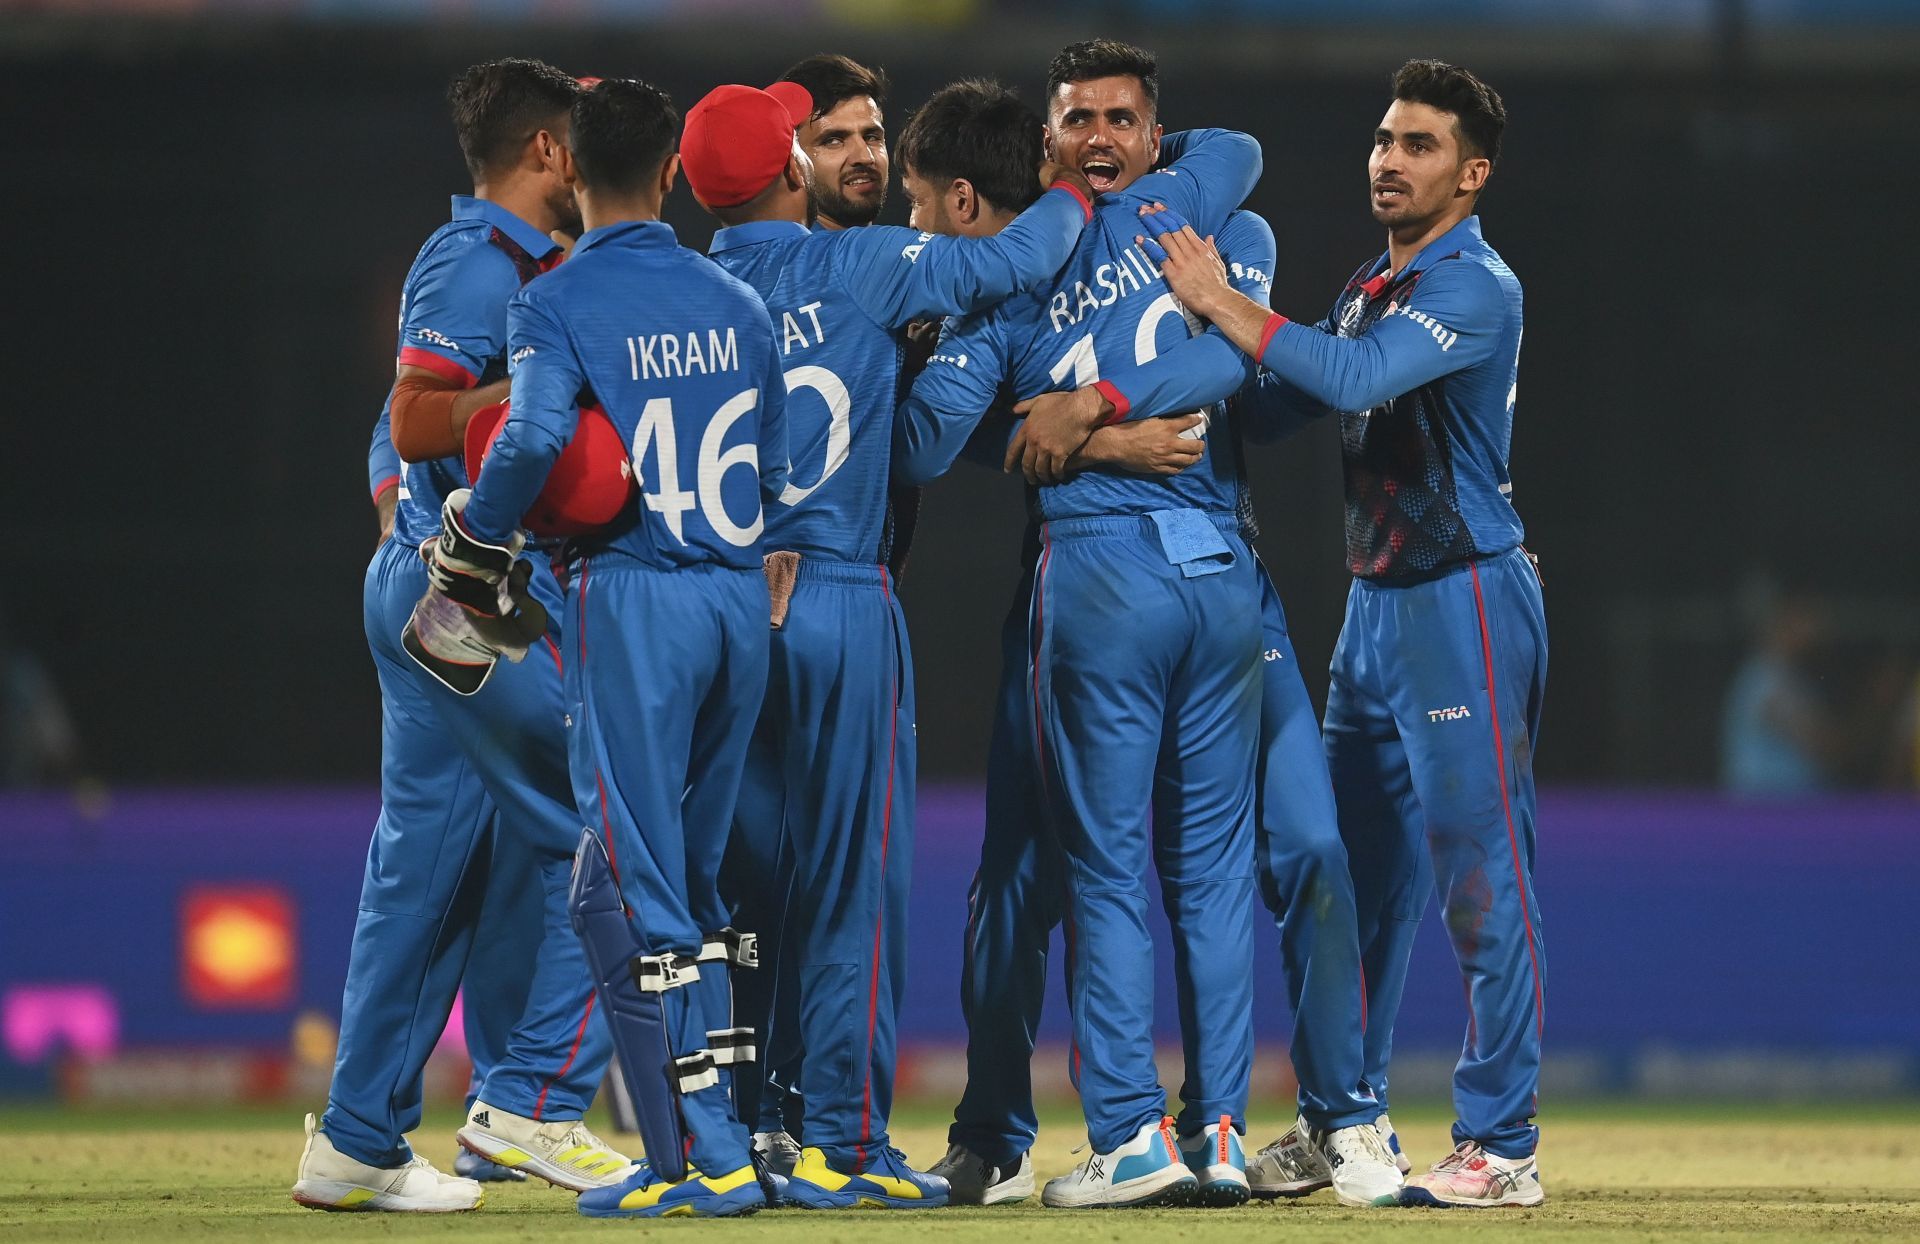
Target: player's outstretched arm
(938,416)
(1144,447)
(540,420)
(454,322)
(1215,172)
(897,275)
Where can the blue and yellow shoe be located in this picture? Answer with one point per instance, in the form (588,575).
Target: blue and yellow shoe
(1219,1164)
(889,1183)
(644,1194)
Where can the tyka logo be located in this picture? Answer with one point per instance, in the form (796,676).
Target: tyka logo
(1273,654)
(1437,715)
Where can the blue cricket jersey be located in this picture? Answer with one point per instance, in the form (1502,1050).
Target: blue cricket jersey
(453,322)
(1424,370)
(682,358)
(1108,303)
(838,300)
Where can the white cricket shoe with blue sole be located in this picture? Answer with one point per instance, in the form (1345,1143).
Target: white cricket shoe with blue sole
(1219,1164)
(329,1179)
(1147,1170)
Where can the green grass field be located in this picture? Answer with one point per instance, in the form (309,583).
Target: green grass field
(1612,1173)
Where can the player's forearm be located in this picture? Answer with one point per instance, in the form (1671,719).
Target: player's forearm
(430,420)
(978,272)
(926,441)
(1198,372)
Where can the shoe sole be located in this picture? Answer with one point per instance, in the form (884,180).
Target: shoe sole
(487,1172)
(332,1196)
(1424,1198)
(490,1149)
(685,1209)
(1273,1192)
(1357,1202)
(858,1200)
(1221,1194)
(1171,1195)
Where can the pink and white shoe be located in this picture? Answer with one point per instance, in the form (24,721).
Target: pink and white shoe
(1472,1178)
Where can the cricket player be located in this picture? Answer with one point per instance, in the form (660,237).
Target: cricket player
(1162,714)
(1441,664)
(835,740)
(844,136)
(450,763)
(666,635)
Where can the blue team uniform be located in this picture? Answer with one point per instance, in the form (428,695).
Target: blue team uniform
(448,765)
(666,631)
(1441,665)
(1143,653)
(1013,903)
(830,783)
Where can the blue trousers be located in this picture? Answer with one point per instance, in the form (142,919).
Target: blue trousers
(1431,717)
(1014,904)
(834,761)
(665,672)
(1146,698)
(449,766)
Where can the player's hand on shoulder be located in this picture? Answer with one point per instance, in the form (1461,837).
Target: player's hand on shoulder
(922,338)
(1190,264)
(1146,446)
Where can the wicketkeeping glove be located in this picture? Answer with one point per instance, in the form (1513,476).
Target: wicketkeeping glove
(477,607)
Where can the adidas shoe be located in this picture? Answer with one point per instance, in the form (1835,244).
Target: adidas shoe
(1470,1177)
(1400,1159)
(470,1165)
(329,1179)
(781,1151)
(1363,1169)
(887,1183)
(1291,1166)
(972,1180)
(564,1152)
(643,1194)
(1219,1164)
(1147,1170)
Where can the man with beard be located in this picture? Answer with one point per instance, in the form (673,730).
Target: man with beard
(845,137)
(450,764)
(1441,664)
(832,769)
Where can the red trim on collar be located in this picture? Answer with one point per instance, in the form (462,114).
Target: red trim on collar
(1376,286)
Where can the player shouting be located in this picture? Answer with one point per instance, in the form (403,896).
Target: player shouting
(834,759)
(449,762)
(1160,713)
(1441,664)
(666,631)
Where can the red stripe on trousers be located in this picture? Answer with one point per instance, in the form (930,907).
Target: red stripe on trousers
(879,922)
(1513,839)
(540,1103)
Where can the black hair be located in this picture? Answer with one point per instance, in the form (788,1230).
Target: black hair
(1105,58)
(499,105)
(979,130)
(623,130)
(833,79)
(1476,107)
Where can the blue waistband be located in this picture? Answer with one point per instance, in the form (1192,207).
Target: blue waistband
(828,571)
(1137,525)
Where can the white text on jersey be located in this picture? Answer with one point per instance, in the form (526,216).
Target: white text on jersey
(1115,281)
(661,356)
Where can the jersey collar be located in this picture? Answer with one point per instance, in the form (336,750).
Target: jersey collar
(753,233)
(629,235)
(523,235)
(1452,242)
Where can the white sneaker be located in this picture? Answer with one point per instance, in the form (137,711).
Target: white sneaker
(564,1152)
(972,1180)
(1473,1178)
(1364,1172)
(1147,1170)
(329,1179)
(778,1150)
(1291,1166)
(1400,1158)
(1219,1164)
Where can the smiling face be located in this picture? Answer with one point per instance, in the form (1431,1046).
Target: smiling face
(1104,127)
(1421,173)
(848,146)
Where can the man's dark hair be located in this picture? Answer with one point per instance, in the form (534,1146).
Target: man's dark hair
(498,106)
(1105,58)
(623,130)
(833,79)
(1476,107)
(979,130)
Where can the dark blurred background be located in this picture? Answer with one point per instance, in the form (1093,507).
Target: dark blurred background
(210,206)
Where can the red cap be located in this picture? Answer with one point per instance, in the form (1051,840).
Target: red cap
(738,139)
(591,482)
